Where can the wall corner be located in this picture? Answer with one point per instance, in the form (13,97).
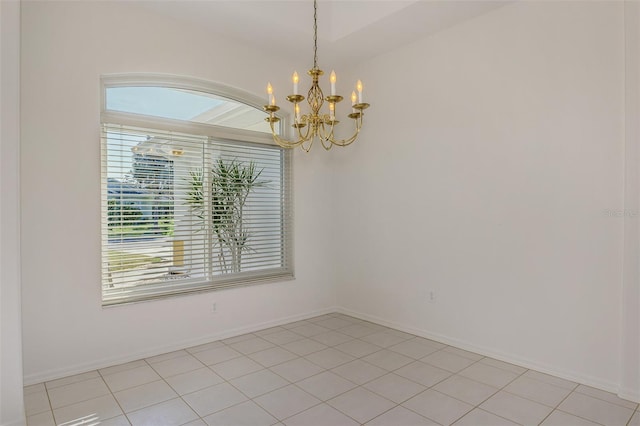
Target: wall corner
(11,381)
(629,385)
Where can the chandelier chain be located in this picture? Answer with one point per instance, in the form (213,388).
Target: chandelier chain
(315,34)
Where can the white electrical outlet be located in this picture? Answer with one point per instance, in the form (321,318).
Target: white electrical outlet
(214,307)
(432,296)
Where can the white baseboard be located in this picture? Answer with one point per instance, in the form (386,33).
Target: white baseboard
(629,394)
(45,376)
(510,358)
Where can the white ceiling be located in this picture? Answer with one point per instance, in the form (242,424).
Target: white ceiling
(349,31)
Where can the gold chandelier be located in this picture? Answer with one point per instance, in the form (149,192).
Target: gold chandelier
(316,125)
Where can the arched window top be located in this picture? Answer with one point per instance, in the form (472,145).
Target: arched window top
(184,99)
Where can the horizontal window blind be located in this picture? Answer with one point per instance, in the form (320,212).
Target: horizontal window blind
(183,213)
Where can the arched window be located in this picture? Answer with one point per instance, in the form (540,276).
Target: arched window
(195,195)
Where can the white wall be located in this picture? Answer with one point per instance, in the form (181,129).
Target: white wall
(492,153)
(11,400)
(66,47)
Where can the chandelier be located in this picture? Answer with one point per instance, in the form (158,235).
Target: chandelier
(316,124)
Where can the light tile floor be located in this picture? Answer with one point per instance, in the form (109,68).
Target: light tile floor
(331,370)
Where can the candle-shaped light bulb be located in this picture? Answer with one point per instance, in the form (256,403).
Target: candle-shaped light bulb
(353,100)
(269,94)
(332,110)
(359,87)
(332,79)
(297,113)
(295,79)
(273,99)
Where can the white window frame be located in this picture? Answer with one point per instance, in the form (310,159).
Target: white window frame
(221,133)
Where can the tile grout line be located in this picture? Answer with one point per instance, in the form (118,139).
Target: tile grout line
(604,400)
(114,397)
(48,400)
(171,387)
(636,412)
(418,383)
(502,389)
(473,406)
(50,404)
(290,383)
(556,408)
(327,370)
(358,358)
(79,401)
(257,396)
(385,412)
(453,397)
(224,381)
(591,420)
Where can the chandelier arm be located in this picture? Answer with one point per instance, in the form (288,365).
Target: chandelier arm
(307,149)
(324,145)
(348,141)
(322,134)
(328,135)
(284,143)
(306,136)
